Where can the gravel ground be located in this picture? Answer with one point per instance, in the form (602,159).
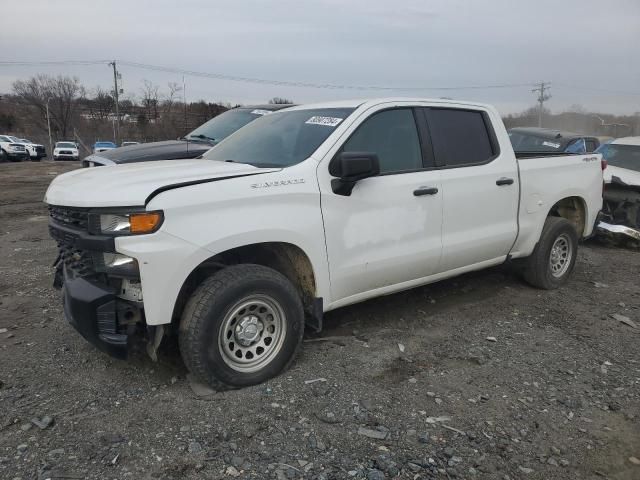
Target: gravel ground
(476,377)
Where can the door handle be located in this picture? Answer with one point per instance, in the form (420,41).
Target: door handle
(504,181)
(425,191)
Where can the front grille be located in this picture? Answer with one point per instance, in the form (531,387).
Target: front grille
(18,147)
(39,149)
(71,217)
(79,262)
(65,152)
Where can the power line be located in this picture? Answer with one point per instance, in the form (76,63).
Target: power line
(596,89)
(53,63)
(288,83)
(222,76)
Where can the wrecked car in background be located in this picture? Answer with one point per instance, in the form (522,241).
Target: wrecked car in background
(621,208)
(550,140)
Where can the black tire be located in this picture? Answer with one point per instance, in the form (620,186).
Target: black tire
(3,156)
(539,266)
(206,350)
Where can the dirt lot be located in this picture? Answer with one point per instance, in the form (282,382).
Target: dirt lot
(477,377)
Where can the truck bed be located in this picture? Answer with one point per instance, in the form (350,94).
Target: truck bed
(544,181)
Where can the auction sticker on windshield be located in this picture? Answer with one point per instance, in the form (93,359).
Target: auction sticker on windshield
(551,144)
(326,121)
(258,111)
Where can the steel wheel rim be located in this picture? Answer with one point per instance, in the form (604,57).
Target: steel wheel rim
(560,256)
(252,333)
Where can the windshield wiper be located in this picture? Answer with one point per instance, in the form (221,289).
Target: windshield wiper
(203,137)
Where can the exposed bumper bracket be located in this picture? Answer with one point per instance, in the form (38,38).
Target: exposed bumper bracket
(620,229)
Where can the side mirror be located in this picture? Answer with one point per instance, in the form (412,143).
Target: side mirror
(350,167)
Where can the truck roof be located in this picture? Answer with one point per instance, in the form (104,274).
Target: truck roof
(627,141)
(355,103)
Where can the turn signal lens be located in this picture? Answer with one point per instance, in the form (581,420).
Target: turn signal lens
(146,222)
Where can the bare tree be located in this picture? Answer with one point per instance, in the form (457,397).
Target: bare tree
(61,93)
(150,99)
(100,103)
(280,101)
(171,98)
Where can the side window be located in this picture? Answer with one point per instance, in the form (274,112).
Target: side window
(459,137)
(393,136)
(591,145)
(576,146)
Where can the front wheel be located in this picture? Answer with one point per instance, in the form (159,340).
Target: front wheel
(554,257)
(242,326)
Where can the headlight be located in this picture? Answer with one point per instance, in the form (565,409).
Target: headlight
(116,264)
(114,260)
(131,223)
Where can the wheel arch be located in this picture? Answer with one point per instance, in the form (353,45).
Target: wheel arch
(574,209)
(286,258)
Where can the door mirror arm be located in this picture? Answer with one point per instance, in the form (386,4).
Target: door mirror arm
(351,167)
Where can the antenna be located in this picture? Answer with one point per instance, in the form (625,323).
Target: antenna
(184,101)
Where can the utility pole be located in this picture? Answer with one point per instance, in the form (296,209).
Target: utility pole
(542,97)
(49,129)
(115,94)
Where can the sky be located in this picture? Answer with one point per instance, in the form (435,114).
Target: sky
(587,49)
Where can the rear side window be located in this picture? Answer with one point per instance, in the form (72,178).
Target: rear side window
(393,136)
(591,145)
(459,137)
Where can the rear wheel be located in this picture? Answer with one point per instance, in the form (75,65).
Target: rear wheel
(554,257)
(3,156)
(242,326)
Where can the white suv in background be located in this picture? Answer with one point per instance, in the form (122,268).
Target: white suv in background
(10,150)
(35,150)
(65,151)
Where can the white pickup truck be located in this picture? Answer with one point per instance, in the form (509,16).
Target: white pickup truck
(304,211)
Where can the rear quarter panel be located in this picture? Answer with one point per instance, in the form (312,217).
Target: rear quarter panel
(547,180)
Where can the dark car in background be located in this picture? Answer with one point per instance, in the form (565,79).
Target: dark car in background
(536,140)
(191,145)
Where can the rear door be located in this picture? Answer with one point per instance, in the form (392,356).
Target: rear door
(480,187)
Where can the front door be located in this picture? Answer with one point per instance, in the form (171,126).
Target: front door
(388,231)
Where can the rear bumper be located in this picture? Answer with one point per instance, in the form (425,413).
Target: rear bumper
(90,308)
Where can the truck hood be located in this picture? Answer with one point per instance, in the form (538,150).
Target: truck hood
(630,177)
(132,185)
(145,152)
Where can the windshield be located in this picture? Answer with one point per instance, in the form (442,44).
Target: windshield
(225,124)
(524,142)
(280,139)
(65,145)
(622,156)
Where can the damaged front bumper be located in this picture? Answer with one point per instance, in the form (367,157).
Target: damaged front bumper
(102,299)
(620,217)
(90,307)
